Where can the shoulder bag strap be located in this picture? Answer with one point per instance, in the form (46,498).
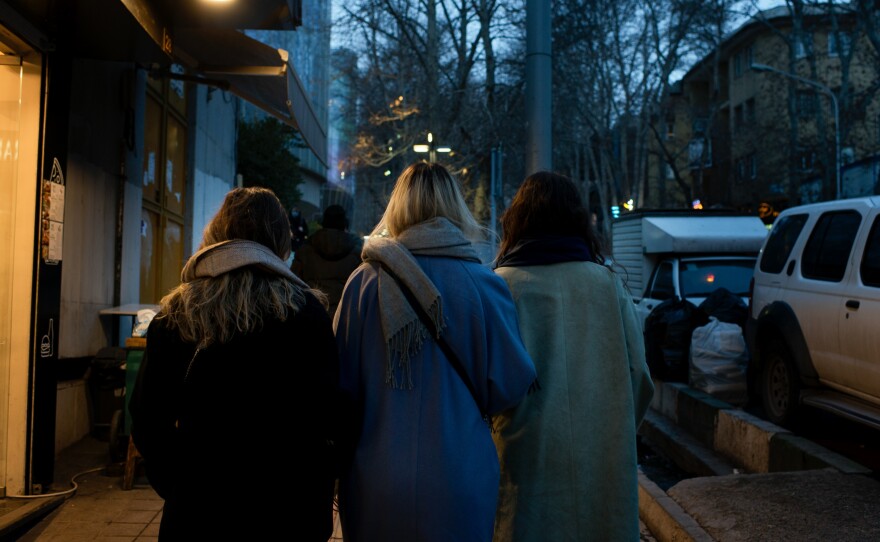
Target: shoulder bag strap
(441,341)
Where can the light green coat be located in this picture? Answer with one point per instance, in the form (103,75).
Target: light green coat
(568,451)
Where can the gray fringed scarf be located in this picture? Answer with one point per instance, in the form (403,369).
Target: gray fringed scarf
(402,330)
(223,257)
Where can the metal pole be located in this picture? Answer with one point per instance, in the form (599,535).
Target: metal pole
(825,90)
(492,217)
(539,155)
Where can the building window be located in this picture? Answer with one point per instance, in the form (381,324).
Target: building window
(164,188)
(806,103)
(740,169)
(839,43)
(752,166)
(806,161)
(737,64)
(803,46)
(738,117)
(750,111)
(669,129)
(668,173)
(699,153)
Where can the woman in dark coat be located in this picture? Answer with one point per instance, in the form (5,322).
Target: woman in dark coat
(233,407)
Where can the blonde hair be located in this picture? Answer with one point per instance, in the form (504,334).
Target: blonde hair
(424,191)
(213,309)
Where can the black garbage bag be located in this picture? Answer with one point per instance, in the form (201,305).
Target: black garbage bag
(668,331)
(726,306)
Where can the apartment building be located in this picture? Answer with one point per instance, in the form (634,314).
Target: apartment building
(764,117)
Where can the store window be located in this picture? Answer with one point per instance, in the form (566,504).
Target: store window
(164,188)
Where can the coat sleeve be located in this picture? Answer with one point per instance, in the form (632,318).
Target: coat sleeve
(347,328)
(640,376)
(153,409)
(511,371)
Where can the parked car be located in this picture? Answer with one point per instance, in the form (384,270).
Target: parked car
(814,319)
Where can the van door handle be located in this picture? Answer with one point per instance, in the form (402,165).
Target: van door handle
(852,304)
(790,269)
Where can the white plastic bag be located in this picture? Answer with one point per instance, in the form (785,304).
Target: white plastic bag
(718,360)
(142,322)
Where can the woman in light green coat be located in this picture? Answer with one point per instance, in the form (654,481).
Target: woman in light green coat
(568,452)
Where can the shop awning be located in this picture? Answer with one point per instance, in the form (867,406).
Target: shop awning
(257,73)
(215,53)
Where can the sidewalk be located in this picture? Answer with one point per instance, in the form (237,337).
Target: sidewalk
(755,482)
(99,509)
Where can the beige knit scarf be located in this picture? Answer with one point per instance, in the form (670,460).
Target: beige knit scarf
(402,329)
(214,260)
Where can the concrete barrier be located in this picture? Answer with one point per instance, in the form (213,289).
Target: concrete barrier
(750,443)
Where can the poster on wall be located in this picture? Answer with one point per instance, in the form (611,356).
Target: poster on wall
(52,216)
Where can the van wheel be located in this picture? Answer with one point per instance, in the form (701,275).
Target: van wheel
(780,384)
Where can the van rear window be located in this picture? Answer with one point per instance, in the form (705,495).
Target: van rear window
(782,238)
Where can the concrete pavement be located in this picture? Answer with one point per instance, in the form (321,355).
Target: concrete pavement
(753,481)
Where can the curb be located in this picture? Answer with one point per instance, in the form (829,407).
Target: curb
(29,512)
(667,521)
(708,437)
(749,442)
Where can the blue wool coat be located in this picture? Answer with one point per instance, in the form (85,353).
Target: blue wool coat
(425,467)
(568,452)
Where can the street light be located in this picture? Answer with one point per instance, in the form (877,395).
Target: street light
(825,90)
(430,148)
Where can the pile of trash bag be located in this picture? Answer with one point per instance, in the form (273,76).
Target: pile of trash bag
(672,341)
(718,361)
(668,330)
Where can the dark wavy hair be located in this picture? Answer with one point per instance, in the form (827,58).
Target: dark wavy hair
(548,203)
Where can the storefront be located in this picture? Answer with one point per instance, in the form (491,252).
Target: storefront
(117,144)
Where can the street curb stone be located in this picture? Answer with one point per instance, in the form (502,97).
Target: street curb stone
(667,521)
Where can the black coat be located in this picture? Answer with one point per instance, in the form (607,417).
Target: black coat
(240,449)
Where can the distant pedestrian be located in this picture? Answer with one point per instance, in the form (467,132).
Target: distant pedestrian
(329,256)
(568,452)
(299,229)
(424,466)
(233,406)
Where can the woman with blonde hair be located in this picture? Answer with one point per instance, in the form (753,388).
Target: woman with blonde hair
(239,378)
(428,345)
(568,454)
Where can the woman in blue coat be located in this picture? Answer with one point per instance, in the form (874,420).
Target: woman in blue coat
(424,466)
(568,453)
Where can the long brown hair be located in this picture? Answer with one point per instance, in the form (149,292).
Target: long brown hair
(214,309)
(548,203)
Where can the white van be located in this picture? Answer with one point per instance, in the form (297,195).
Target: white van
(814,320)
(663,254)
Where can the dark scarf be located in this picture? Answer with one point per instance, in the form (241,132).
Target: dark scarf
(546,250)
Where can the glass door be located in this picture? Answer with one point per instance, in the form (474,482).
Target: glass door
(10,114)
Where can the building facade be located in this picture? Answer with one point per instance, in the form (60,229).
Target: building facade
(759,119)
(309,49)
(117,136)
